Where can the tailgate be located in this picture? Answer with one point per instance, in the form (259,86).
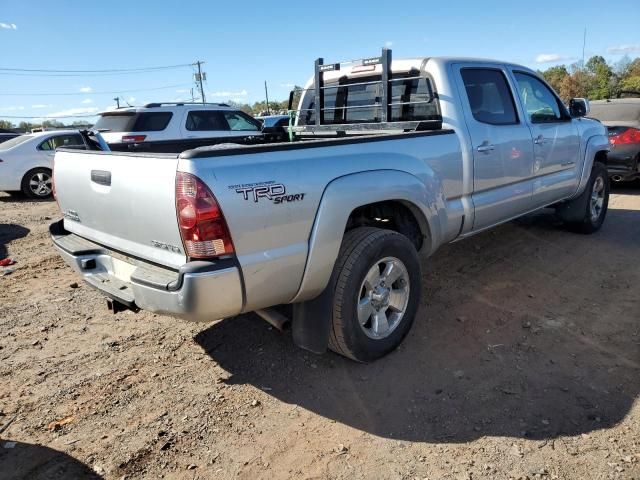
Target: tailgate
(123,201)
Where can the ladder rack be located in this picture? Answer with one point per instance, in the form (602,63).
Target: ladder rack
(385,104)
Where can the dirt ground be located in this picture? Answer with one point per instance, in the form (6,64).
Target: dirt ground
(523,363)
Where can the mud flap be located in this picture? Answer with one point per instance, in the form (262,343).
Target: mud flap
(574,210)
(312,321)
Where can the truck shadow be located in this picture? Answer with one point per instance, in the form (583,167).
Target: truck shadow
(24,461)
(525,331)
(8,233)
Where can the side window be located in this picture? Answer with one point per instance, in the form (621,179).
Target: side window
(152,122)
(206,120)
(71,141)
(539,102)
(489,96)
(240,121)
(46,145)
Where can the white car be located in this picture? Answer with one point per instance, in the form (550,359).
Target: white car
(26,162)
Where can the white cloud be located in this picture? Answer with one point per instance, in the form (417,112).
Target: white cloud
(8,26)
(131,99)
(551,57)
(182,90)
(86,101)
(86,89)
(40,105)
(622,49)
(13,108)
(72,112)
(241,93)
(388,44)
(287,85)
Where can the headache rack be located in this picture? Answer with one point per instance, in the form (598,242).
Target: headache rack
(383,103)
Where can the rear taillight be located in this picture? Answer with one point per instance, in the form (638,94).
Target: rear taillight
(133,138)
(630,135)
(203,228)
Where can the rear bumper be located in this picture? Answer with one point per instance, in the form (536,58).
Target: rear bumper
(623,162)
(199,291)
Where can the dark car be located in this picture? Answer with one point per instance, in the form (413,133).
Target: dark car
(622,118)
(275,127)
(7,135)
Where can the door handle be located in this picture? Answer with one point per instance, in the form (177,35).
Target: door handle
(539,140)
(485,148)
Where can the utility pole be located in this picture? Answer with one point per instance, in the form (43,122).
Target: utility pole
(117,99)
(584,42)
(266,94)
(200,77)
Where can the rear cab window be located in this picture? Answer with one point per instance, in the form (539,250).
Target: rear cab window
(358,100)
(489,96)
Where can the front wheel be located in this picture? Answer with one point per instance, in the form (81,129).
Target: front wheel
(377,292)
(38,183)
(593,202)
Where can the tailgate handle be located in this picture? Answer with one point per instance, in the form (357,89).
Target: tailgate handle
(101,177)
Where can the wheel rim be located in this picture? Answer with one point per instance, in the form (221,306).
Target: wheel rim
(40,184)
(383,298)
(597,198)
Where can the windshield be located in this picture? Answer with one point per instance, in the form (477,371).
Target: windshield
(14,141)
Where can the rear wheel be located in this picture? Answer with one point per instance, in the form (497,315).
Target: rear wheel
(377,291)
(38,183)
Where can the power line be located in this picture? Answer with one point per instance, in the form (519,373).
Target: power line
(45,117)
(83,73)
(96,93)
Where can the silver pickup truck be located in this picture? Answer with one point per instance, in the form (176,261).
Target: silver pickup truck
(388,161)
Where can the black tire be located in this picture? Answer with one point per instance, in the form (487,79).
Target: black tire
(586,222)
(44,189)
(361,249)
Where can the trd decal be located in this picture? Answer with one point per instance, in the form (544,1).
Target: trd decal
(270,191)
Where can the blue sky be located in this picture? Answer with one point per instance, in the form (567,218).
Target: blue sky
(247,42)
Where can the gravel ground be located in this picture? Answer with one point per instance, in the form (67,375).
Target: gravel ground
(524,363)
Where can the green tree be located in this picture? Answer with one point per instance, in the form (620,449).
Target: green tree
(52,124)
(555,76)
(6,124)
(630,77)
(601,78)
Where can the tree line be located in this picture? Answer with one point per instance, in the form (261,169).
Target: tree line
(597,80)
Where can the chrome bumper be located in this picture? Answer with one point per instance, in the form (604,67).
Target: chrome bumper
(200,291)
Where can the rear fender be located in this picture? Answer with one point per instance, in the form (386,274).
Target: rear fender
(424,198)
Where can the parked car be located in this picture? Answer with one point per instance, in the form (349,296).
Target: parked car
(403,157)
(622,118)
(26,161)
(7,134)
(274,127)
(176,127)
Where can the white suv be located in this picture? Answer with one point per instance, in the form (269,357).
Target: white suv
(175,127)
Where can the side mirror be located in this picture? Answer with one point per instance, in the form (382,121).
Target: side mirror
(579,107)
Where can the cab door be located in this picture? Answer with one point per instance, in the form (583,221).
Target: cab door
(556,140)
(501,142)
